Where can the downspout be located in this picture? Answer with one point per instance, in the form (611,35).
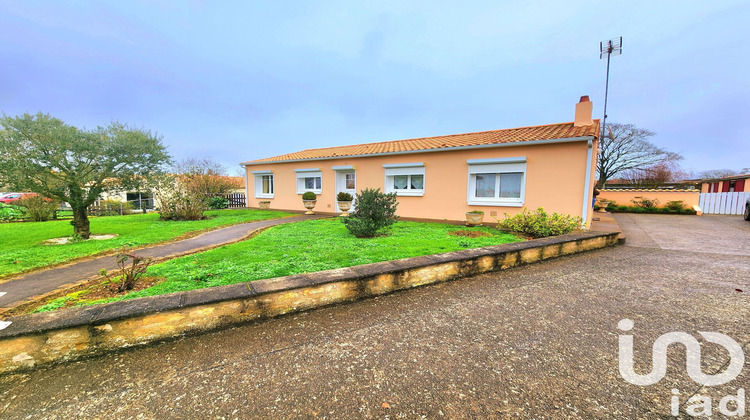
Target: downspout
(587,184)
(247,187)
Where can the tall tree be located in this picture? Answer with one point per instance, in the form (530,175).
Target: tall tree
(655,176)
(626,147)
(47,156)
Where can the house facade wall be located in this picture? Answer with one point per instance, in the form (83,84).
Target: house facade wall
(554,179)
(727,185)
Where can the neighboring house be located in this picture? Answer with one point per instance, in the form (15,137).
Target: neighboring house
(734,183)
(441,178)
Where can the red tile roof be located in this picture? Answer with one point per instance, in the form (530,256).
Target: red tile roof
(479,139)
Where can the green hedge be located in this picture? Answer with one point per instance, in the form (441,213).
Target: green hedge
(650,210)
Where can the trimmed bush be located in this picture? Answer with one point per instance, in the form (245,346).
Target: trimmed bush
(375,211)
(475,212)
(539,223)
(344,196)
(309,195)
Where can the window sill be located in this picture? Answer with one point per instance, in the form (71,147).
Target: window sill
(407,193)
(494,203)
(263,195)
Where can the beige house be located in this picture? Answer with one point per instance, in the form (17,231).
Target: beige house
(441,178)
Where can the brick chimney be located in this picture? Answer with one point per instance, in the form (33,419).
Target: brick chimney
(584,108)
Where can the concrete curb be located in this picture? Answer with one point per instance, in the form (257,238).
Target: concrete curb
(36,339)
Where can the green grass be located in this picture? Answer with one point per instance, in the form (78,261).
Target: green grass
(303,247)
(23,248)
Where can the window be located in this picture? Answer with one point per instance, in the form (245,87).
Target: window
(497,182)
(350,182)
(263,184)
(309,180)
(405,179)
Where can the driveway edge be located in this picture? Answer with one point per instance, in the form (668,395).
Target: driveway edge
(38,339)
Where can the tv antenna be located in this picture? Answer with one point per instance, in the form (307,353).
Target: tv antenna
(608,49)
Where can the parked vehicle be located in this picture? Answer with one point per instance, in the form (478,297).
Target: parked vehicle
(12,197)
(747,209)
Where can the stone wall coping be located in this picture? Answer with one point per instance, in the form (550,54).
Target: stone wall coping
(609,190)
(102,314)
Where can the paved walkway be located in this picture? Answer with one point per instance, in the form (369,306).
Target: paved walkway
(40,282)
(532,342)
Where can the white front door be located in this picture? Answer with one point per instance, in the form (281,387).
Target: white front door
(346,181)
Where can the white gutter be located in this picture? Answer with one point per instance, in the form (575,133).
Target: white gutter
(443,149)
(587,183)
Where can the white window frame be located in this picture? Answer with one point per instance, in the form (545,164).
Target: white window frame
(308,173)
(405,169)
(259,184)
(495,166)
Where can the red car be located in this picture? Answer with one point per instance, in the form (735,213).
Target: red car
(11,197)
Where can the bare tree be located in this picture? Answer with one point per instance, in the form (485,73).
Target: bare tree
(186,194)
(718,173)
(205,178)
(655,176)
(626,147)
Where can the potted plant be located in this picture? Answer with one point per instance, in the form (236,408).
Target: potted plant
(309,199)
(474,217)
(602,203)
(264,205)
(344,200)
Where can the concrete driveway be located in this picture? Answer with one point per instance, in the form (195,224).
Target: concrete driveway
(534,342)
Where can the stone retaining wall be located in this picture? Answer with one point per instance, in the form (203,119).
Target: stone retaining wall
(62,335)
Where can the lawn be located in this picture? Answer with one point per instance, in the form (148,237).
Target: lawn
(23,248)
(302,247)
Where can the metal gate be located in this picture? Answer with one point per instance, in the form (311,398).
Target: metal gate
(724,202)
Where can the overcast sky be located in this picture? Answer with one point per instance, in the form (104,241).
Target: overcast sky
(243,80)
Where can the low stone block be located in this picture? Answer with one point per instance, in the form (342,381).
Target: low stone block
(531,255)
(66,342)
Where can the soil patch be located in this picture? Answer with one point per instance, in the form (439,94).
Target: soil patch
(67,239)
(469,233)
(90,290)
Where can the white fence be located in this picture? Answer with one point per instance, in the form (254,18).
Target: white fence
(724,202)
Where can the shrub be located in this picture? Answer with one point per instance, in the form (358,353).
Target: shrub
(475,212)
(218,203)
(675,205)
(38,208)
(646,203)
(344,196)
(129,275)
(309,195)
(540,224)
(375,211)
(175,202)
